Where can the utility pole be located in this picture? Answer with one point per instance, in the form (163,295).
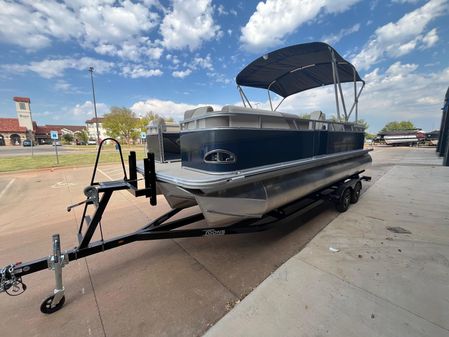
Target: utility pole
(91,70)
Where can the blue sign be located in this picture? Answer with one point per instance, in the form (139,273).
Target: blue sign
(54,134)
(143,135)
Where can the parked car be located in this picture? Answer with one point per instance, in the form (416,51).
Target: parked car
(26,142)
(80,142)
(91,142)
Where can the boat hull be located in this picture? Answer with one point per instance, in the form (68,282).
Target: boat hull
(256,195)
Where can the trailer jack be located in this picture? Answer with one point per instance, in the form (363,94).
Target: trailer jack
(56,262)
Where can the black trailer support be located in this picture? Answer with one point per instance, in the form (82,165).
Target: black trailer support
(443,141)
(99,195)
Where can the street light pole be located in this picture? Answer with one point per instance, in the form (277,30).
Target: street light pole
(91,70)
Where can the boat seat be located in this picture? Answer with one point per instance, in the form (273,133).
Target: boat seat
(318,116)
(202,110)
(235,109)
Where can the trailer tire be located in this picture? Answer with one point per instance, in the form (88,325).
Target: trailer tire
(344,201)
(355,195)
(46,307)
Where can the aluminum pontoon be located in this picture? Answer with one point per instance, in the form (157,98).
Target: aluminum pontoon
(247,169)
(241,162)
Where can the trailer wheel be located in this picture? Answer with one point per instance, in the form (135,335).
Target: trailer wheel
(46,307)
(344,201)
(355,195)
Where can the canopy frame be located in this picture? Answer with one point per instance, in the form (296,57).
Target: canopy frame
(341,108)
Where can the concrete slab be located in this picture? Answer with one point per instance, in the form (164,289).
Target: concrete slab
(302,300)
(377,283)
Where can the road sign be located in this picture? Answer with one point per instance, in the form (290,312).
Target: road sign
(143,135)
(54,134)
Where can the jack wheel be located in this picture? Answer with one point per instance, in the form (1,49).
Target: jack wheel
(343,203)
(46,307)
(355,195)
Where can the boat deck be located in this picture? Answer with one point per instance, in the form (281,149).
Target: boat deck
(174,173)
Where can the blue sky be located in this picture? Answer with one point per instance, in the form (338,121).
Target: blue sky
(169,56)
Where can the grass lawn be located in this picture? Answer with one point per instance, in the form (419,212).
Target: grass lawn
(18,163)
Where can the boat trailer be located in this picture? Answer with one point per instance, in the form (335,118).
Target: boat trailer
(98,194)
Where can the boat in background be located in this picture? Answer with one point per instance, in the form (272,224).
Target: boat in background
(241,162)
(401,137)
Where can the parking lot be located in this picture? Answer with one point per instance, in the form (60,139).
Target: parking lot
(155,288)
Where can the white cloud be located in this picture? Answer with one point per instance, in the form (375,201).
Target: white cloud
(108,27)
(400,92)
(202,62)
(429,100)
(430,38)
(399,38)
(197,62)
(181,73)
(33,25)
(51,68)
(398,70)
(136,71)
(334,38)
(119,30)
(405,1)
(188,24)
(86,110)
(221,10)
(274,19)
(166,108)
(62,85)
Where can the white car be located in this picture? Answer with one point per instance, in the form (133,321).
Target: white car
(91,142)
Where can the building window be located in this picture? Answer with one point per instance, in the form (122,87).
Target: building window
(22,106)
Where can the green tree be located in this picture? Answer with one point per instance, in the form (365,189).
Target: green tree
(121,123)
(67,138)
(397,126)
(363,123)
(82,136)
(369,135)
(145,120)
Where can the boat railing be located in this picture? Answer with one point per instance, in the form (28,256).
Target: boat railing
(238,120)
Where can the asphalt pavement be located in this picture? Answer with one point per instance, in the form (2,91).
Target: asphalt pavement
(37,150)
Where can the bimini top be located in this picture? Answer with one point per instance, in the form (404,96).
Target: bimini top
(293,69)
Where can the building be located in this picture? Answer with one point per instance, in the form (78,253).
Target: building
(91,125)
(11,133)
(23,110)
(43,132)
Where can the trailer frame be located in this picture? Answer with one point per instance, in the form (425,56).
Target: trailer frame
(98,194)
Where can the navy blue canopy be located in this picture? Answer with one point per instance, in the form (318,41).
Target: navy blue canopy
(293,69)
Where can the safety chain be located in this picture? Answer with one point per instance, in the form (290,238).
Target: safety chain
(10,283)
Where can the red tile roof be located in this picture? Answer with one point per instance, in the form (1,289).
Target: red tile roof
(21,99)
(45,129)
(11,125)
(73,128)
